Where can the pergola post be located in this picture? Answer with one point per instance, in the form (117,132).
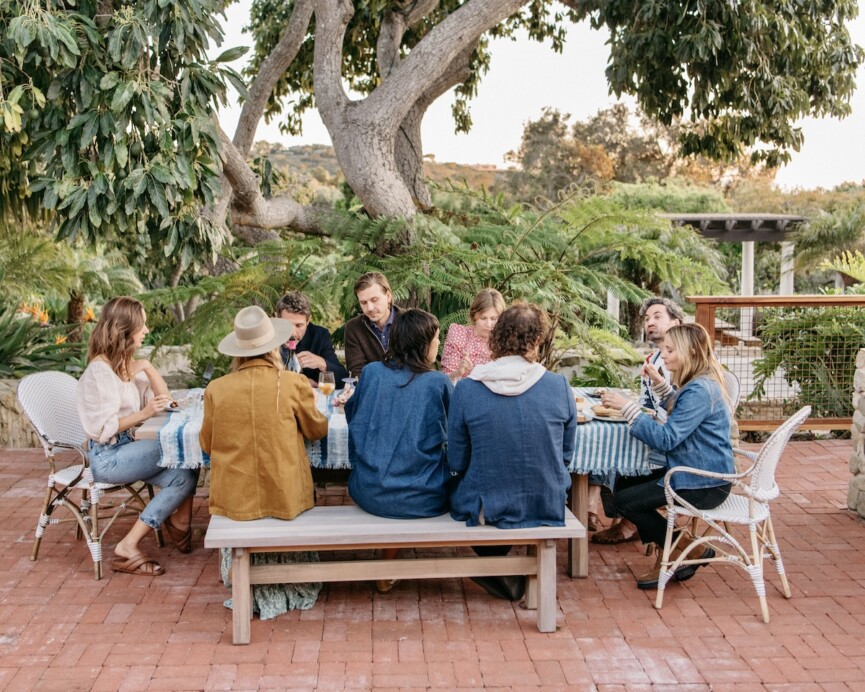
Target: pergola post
(747,314)
(787,288)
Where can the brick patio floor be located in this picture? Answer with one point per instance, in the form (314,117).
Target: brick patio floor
(60,629)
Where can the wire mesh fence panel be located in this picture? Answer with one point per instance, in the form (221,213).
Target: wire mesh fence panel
(787,356)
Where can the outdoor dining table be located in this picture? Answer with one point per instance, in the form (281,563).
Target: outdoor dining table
(601,446)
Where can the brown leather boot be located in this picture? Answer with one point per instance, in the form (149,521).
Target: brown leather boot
(649,580)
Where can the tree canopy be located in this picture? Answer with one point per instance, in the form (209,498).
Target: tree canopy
(107,106)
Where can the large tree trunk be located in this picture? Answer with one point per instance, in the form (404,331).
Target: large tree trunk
(377,139)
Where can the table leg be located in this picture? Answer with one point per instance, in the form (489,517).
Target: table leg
(578,548)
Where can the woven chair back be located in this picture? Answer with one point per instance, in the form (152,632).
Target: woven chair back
(763,479)
(48,401)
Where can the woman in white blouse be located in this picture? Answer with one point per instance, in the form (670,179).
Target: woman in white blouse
(116,393)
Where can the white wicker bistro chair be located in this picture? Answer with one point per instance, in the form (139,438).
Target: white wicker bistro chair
(747,505)
(48,401)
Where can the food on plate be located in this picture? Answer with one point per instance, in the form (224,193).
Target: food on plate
(582,418)
(606,412)
(580,400)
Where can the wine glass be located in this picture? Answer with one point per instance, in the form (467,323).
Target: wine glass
(326,385)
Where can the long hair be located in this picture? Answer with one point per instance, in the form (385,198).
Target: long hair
(484,300)
(696,357)
(121,319)
(519,330)
(410,337)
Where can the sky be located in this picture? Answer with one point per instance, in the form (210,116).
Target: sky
(525,77)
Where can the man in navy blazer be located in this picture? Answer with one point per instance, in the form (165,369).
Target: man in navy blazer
(314,349)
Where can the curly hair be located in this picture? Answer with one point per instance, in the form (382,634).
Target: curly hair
(113,337)
(519,330)
(673,310)
(296,303)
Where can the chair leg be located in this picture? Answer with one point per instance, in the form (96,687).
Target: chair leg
(94,541)
(755,570)
(665,573)
(775,552)
(44,517)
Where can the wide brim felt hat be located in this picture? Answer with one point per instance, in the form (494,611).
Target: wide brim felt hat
(255,333)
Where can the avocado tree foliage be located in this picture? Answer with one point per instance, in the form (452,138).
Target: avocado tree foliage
(107,106)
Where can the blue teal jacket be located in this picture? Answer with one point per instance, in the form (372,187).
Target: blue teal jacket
(397,442)
(696,434)
(510,454)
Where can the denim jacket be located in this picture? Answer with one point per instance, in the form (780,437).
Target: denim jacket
(696,434)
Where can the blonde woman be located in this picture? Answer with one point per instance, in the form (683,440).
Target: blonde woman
(468,346)
(116,393)
(696,434)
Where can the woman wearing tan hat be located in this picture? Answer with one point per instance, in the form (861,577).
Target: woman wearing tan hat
(255,422)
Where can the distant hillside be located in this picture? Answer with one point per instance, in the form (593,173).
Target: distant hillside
(317,161)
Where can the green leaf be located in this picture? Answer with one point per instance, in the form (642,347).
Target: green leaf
(232,54)
(109,81)
(121,153)
(122,95)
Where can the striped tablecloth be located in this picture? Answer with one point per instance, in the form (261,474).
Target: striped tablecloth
(178,439)
(605,446)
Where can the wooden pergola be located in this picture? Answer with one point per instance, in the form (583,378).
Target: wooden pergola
(748,229)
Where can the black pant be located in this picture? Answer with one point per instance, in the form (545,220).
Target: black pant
(640,502)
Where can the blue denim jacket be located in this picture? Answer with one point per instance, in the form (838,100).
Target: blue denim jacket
(696,434)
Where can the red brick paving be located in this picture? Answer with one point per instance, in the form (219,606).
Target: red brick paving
(61,630)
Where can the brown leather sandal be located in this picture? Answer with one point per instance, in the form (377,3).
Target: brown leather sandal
(139,563)
(182,539)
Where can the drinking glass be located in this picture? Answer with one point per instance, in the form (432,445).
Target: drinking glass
(326,385)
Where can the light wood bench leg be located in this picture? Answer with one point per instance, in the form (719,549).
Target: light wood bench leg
(578,548)
(547,586)
(531,598)
(241,596)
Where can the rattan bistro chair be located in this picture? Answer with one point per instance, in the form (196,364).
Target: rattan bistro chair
(48,401)
(747,505)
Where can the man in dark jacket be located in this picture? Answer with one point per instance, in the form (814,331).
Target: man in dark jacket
(314,348)
(367,335)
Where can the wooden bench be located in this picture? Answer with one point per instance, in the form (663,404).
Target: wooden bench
(350,528)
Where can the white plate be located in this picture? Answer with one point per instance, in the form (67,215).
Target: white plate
(608,419)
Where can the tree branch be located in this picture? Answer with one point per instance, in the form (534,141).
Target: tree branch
(393,28)
(250,208)
(435,53)
(270,72)
(331,19)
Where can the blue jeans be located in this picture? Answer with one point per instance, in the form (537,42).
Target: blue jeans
(129,461)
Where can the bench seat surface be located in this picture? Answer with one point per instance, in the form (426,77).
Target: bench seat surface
(349,525)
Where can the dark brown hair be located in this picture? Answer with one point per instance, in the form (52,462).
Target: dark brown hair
(296,303)
(121,319)
(520,328)
(410,337)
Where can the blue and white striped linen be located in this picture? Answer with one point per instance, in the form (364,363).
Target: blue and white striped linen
(178,438)
(331,452)
(604,446)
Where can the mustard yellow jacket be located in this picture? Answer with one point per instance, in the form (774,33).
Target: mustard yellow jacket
(255,421)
